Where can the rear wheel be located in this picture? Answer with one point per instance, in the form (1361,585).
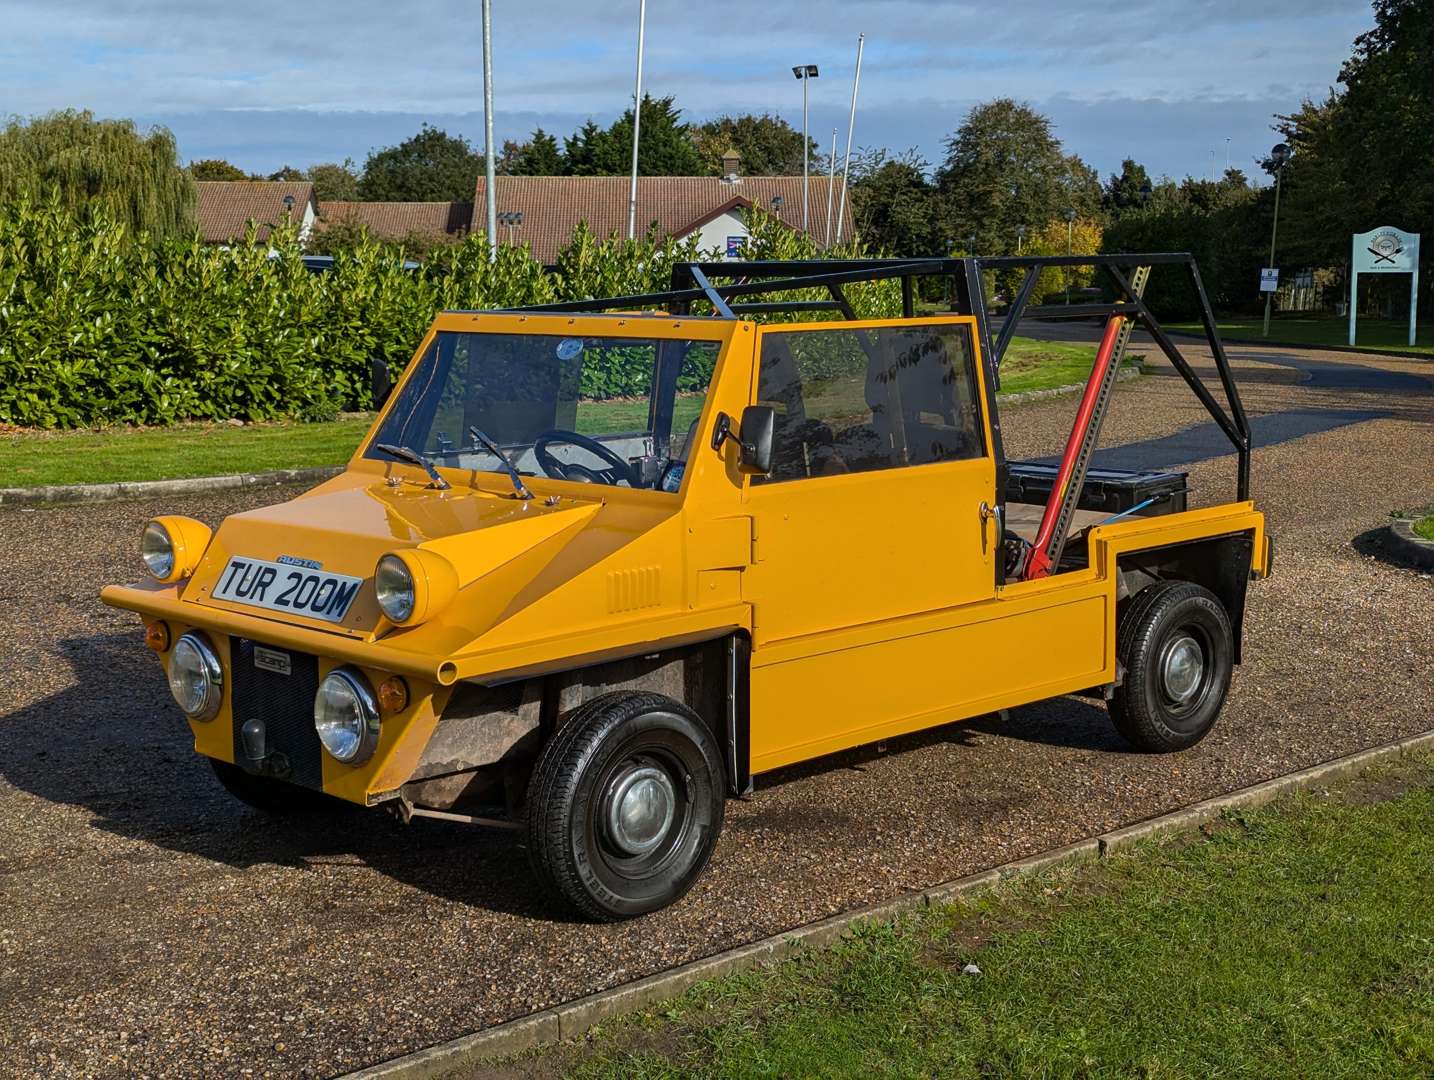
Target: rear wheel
(625,805)
(1175,644)
(267,794)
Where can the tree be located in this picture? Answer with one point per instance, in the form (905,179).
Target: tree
(666,147)
(893,204)
(539,155)
(1079,237)
(1386,118)
(769,146)
(1080,189)
(431,166)
(1004,171)
(1315,200)
(333,182)
(287,173)
(1129,190)
(85,163)
(216,169)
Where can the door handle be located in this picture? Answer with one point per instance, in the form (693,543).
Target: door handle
(988,512)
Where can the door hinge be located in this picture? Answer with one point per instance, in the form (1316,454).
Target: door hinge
(756,546)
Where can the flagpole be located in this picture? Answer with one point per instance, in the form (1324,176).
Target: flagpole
(851,127)
(488,169)
(636,121)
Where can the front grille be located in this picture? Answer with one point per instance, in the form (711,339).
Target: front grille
(285,703)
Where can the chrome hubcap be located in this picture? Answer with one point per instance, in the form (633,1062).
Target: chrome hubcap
(640,807)
(1183,669)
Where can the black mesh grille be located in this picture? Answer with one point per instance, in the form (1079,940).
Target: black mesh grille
(285,703)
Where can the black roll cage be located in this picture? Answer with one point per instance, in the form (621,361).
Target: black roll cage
(698,282)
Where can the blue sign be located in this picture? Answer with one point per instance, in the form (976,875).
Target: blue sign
(735,244)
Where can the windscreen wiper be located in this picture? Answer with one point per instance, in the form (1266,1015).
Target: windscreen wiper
(413,457)
(497,451)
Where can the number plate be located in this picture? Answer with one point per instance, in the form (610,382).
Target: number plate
(282,587)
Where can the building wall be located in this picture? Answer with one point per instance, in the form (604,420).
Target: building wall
(714,235)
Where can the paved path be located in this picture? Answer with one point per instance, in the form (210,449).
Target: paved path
(152,926)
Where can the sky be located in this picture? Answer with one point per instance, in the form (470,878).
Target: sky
(1176,84)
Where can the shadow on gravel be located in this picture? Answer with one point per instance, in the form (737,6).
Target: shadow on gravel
(1070,723)
(114,745)
(1374,544)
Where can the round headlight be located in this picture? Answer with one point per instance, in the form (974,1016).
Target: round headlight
(195,678)
(394,585)
(346,716)
(156,548)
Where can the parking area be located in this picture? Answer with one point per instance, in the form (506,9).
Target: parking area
(151,925)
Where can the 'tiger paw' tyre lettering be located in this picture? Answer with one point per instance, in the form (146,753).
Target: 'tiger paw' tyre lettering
(625,805)
(1175,643)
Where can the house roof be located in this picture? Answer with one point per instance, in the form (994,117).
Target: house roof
(226,206)
(552,206)
(396,220)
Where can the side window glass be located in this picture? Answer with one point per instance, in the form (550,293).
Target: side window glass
(852,400)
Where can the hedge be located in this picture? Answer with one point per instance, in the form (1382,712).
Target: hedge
(99,326)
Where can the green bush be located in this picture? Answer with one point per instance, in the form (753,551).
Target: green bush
(99,325)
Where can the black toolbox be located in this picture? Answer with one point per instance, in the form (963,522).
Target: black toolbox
(1112,490)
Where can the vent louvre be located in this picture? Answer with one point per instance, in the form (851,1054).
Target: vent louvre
(630,590)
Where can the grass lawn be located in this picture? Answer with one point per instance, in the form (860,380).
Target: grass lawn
(31,459)
(1331,330)
(1297,940)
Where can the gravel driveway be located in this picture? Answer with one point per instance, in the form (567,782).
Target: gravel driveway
(153,926)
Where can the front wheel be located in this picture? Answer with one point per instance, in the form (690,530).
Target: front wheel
(625,805)
(1175,644)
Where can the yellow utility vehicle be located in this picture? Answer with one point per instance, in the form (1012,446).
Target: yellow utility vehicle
(594,620)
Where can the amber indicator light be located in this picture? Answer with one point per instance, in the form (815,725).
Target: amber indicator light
(156,636)
(393,695)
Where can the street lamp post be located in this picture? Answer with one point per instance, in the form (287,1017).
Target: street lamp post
(1279,158)
(806,73)
(1070,216)
(512,219)
(1020,238)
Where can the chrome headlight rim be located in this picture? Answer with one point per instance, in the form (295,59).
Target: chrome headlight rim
(209,668)
(367,715)
(398,596)
(161,559)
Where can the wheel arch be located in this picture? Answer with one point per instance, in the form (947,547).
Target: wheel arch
(1221,564)
(486,727)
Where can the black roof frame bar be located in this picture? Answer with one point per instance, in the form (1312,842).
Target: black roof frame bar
(719,283)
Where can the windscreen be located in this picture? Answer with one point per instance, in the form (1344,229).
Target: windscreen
(592,409)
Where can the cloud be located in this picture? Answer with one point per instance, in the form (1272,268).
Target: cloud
(265,83)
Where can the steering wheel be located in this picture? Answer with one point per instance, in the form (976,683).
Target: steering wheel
(617,469)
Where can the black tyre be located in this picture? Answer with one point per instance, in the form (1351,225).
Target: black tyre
(269,795)
(1174,641)
(625,805)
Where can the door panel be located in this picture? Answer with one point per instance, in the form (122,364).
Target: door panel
(873,510)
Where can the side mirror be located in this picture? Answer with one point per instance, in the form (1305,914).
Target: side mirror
(759,423)
(381,381)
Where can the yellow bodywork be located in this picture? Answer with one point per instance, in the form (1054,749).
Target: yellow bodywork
(870,599)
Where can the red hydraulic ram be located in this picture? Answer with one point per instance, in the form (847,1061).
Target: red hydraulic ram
(1041,560)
